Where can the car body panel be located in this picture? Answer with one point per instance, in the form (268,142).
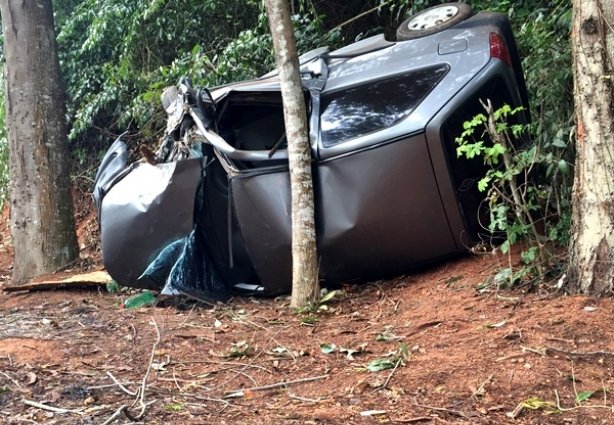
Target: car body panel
(149,208)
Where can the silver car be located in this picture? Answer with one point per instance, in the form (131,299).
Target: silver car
(209,211)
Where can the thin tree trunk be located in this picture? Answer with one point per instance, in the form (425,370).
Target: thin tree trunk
(591,268)
(305,285)
(42,223)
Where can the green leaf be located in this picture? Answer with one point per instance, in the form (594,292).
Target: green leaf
(529,255)
(378,365)
(327,348)
(502,278)
(563,167)
(112,287)
(503,111)
(329,296)
(483,184)
(535,403)
(559,143)
(196,49)
(149,96)
(143,299)
(583,396)
(309,320)
(174,407)
(404,351)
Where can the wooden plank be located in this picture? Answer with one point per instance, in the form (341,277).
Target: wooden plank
(63,280)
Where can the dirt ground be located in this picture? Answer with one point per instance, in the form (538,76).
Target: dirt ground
(448,354)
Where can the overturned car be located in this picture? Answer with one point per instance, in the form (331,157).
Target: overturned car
(208,212)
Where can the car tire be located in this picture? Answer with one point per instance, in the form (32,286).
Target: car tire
(433,20)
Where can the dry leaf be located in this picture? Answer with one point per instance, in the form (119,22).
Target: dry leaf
(32,378)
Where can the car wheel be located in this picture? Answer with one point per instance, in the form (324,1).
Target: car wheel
(432,20)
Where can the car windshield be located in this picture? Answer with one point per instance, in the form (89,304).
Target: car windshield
(373,106)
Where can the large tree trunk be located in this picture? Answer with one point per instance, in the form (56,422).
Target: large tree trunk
(305,285)
(591,268)
(42,224)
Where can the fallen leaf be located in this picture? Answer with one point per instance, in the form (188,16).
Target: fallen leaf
(32,378)
(583,396)
(349,352)
(373,412)
(497,325)
(380,364)
(53,396)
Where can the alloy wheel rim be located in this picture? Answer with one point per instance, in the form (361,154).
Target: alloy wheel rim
(432,18)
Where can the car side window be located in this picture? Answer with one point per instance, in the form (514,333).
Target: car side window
(372,106)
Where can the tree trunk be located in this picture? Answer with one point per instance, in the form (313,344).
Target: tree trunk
(42,224)
(305,285)
(591,267)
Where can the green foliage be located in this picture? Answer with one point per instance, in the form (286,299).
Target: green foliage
(117,56)
(391,361)
(527,187)
(143,299)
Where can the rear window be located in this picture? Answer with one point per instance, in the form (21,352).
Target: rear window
(373,106)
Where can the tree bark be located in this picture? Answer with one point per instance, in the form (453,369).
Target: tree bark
(305,285)
(42,223)
(591,265)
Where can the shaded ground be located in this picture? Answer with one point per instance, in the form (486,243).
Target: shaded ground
(454,356)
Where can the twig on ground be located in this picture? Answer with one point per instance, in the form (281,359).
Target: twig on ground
(412,420)
(568,409)
(50,408)
(201,398)
(285,348)
(442,409)
(121,386)
(580,354)
(309,400)
(251,362)
(140,393)
(481,389)
(511,356)
(186,318)
(541,352)
(102,387)
(176,382)
(122,410)
(241,393)
(14,381)
(232,365)
(392,373)
(248,377)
